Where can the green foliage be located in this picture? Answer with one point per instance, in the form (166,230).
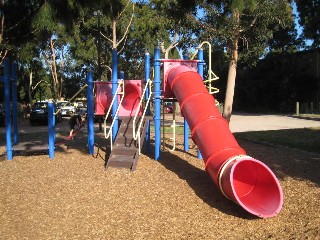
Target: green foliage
(44,18)
(258,21)
(309,13)
(277,83)
(263,25)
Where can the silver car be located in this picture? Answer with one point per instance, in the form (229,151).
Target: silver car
(67,108)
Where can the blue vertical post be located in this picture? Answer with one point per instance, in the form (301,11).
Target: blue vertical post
(90,113)
(114,81)
(157,103)
(185,126)
(147,76)
(200,71)
(14,102)
(6,79)
(51,129)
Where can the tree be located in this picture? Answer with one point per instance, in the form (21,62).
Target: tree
(309,13)
(55,25)
(32,68)
(250,21)
(149,27)
(285,40)
(15,25)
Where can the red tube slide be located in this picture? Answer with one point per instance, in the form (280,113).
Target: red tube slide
(130,103)
(245,180)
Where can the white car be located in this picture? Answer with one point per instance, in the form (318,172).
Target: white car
(80,104)
(67,108)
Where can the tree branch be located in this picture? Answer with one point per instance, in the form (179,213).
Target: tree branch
(127,29)
(119,16)
(105,37)
(123,45)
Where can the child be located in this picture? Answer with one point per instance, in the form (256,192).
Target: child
(75,123)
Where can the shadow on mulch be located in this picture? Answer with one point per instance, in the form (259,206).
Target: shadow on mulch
(286,161)
(201,183)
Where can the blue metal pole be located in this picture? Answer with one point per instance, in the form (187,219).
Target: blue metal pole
(7,108)
(90,113)
(157,103)
(114,81)
(51,129)
(14,102)
(186,126)
(200,71)
(147,76)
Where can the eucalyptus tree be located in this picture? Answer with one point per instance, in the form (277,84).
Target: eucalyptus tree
(309,15)
(15,17)
(150,27)
(53,24)
(251,23)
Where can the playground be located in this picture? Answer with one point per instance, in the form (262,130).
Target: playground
(74,197)
(131,179)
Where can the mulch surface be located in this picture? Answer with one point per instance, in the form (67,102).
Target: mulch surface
(73,197)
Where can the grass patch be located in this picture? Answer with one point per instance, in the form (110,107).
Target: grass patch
(307,139)
(179,129)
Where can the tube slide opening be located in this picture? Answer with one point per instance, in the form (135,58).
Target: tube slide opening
(132,97)
(253,186)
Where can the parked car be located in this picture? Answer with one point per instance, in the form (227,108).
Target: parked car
(67,108)
(39,114)
(168,107)
(80,105)
(82,111)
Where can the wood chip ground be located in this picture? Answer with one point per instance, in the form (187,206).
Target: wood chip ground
(73,197)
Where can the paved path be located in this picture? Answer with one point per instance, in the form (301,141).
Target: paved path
(254,122)
(247,122)
(238,123)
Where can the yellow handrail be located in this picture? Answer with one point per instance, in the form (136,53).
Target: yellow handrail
(120,86)
(137,132)
(212,76)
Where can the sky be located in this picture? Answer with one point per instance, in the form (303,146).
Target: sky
(298,27)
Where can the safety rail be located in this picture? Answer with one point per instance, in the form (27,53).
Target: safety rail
(137,132)
(212,76)
(109,134)
(76,94)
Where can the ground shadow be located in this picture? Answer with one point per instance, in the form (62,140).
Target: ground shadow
(202,184)
(286,161)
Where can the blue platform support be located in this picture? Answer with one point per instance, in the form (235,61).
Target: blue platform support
(157,103)
(114,82)
(147,76)
(6,79)
(14,102)
(200,71)
(90,112)
(51,129)
(185,126)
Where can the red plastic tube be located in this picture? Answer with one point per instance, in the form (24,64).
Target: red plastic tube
(245,180)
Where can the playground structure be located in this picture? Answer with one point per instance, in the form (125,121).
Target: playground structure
(241,178)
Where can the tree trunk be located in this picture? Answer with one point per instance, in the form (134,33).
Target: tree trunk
(114,34)
(30,88)
(53,68)
(231,82)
